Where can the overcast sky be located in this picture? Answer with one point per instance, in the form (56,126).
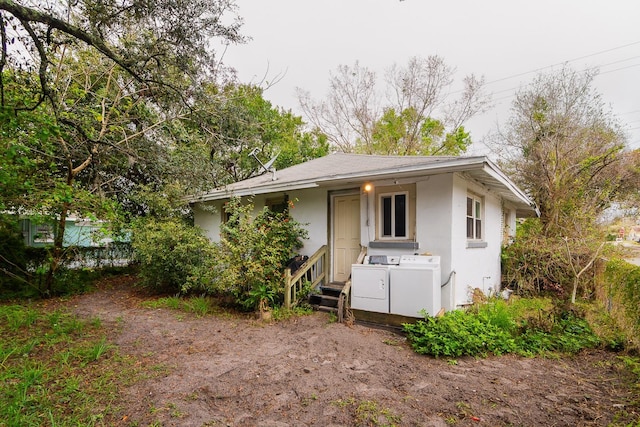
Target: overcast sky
(506,41)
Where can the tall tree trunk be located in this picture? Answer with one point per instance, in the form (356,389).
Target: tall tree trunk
(57,253)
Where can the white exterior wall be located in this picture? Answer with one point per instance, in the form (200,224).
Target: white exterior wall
(310,209)
(434,218)
(475,267)
(208,220)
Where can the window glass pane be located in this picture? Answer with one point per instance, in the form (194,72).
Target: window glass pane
(386,216)
(478,229)
(477,209)
(469,228)
(401,215)
(469,206)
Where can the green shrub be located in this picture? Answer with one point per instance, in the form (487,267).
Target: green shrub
(460,333)
(253,251)
(621,283)
(13,259)
(538,264)
(172,255)
(499,328)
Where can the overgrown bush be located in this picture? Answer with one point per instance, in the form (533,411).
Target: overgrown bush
(250,259)
(13,257)
(499,328)
(172,255)
(621,286)
(537,264)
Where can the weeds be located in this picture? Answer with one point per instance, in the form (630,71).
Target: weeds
(43,379)
(526,327)
(198,305)
(369,413)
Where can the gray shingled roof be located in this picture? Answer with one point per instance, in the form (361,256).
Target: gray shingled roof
(358,168)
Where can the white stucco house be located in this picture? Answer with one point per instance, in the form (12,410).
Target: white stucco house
(461,209)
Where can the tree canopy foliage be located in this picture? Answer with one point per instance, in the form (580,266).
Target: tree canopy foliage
(417,115)
(567,151)
(98,74)
(106,106)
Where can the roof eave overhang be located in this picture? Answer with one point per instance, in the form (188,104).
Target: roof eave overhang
(525,207)
(226,193)
(455,165)
(480,164)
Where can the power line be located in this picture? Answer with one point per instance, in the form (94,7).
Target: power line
(586,69)
(563,62)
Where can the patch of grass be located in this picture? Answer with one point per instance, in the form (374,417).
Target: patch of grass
(173,303)
(333,318)
(97,350)
(18,317)
(201,306)
(309,400)
(343,403)
(282,313)
(603,325)
(368,412)
(44,379)
(632,367)
(198,305)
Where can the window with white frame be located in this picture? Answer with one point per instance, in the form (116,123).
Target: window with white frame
(393,211)
(474,217)
(43,233)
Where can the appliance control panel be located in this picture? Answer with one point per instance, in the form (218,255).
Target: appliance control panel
(419,260)
(382,259)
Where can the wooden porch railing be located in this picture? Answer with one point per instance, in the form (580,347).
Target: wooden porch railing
(314,270)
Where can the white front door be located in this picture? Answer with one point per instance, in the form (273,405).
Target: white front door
(346,235)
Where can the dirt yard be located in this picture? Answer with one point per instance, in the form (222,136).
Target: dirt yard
(229,371)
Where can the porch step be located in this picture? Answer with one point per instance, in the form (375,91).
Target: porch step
(324,300)
(332,288)
(328,299)
(326,309)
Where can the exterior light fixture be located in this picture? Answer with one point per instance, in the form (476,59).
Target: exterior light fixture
(367,187)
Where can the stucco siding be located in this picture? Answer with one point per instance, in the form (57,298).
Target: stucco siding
(475,267)
(435,218)
(310,209)
(208,217)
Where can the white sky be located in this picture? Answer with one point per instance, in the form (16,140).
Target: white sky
(302,41)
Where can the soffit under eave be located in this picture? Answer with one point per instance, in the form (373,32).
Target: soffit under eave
(498,187)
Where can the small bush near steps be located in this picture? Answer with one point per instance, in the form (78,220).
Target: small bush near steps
(248,262)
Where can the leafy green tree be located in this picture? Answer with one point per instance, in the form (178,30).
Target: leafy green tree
(104,78)
(392,136)
(165,47)
(568,152)
(243,121)
(417,116)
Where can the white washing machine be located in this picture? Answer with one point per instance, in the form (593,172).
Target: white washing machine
(370,287)
(415,286)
